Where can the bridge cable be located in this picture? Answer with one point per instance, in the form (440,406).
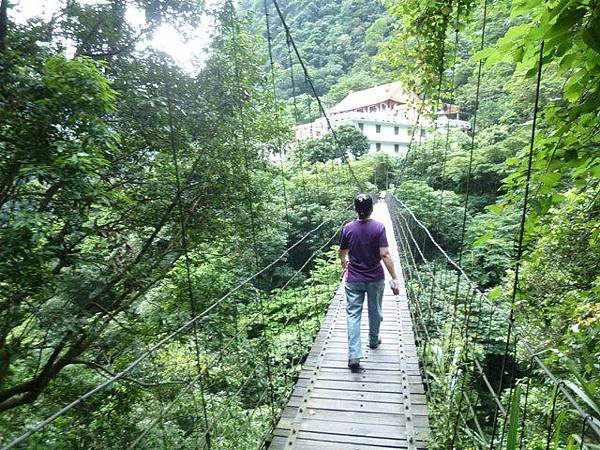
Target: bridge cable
(465,211)
(276,111)
(516,332)
(185,326)
(405,231)
(521,228)
(319,102)
(311,287)
(296,114)
(216,358)
(184,239)
(283,326)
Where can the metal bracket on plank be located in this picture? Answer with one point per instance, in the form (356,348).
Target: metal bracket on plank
(406,398)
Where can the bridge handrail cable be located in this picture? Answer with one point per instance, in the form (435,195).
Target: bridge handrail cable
(528,347)
(166,339)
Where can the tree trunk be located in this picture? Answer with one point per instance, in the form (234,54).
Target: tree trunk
(3,24)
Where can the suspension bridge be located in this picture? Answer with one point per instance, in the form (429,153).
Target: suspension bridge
(429,358)
(381,406)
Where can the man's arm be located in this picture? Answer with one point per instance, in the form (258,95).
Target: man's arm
(386,257)
(344,257)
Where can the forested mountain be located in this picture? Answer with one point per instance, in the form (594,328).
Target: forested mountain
(337,39)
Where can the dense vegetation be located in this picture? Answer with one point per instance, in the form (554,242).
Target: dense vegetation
(134,195)
(338,40)
(556,300)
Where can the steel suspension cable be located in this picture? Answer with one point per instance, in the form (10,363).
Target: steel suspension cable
(296,114)
(466,203)
(277,118)
(225,347)
(185,326)
(184,238)
(521,228)
(523,342)
(319,102)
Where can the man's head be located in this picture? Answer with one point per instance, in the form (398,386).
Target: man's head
(363,205)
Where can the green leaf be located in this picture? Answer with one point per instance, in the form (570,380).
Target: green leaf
(494,293)
(496,209)
(550,179)
(483,54)
(518,54)
(565,21)
(591,35)
(482,239)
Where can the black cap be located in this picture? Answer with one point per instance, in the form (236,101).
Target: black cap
(363,204)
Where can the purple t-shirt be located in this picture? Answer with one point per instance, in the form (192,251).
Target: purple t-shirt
(363,238)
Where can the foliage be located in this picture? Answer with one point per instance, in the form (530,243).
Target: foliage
(102,158)
(338,42)
(348,141)
(418,47)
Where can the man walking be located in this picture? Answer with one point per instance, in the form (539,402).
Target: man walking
(363,245)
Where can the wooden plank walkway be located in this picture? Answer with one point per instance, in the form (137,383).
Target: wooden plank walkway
(381,407)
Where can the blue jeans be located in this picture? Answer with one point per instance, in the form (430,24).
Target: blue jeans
(355,297)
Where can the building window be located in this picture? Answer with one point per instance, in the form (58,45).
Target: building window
(396,148)
(361,126)
(378,128)
(378,146)
(396,130)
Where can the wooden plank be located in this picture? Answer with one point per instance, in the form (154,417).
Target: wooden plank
(352,439)
(364,396)
(368,386)
(312,444)
(359,417)
(346,375)
(357,405)
(354,429)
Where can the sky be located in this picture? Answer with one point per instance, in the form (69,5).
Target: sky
(188,53)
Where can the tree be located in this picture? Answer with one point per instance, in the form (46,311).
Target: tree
(348,141)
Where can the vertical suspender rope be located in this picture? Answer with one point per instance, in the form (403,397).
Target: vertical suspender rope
(521,233)
(319,103)
(465,210)
(281,153)
(277,121)
(295,106)
(311,286)
(457,287)
(184,239)
(434,142)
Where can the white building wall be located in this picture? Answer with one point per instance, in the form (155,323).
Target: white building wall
(392,138)
(389,142)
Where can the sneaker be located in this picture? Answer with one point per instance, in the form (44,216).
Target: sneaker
(375,345)
(354,363)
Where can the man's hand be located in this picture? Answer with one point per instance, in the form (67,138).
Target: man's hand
(395,286)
